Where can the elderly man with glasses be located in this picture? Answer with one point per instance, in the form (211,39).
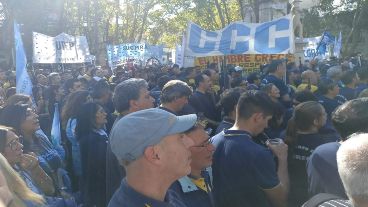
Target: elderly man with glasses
(195,189)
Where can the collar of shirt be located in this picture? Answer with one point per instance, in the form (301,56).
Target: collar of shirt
(231,133)
(189,184)
(101,132)
(228,121)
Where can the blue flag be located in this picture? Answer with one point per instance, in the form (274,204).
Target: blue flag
(56,133)
(24,83)
(326,39)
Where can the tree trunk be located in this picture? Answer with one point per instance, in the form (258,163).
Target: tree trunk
(226,12)
(241,6)
(357,18)
(219,10)
(133,26)
(117,21)
(144,20)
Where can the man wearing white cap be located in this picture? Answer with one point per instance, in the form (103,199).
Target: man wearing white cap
(154,150)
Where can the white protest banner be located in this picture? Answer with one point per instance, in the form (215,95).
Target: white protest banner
(275,37)
(119,54)
(63,48)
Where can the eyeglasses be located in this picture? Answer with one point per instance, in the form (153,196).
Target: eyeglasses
(205,144)
(14,143)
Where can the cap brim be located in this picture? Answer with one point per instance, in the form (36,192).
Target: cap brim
(183,123)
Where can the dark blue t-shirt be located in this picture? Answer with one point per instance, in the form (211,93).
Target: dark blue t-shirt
(241,169)
(348,93)
(329,104)
(203,103)
(360,88)
(225,124)
(323,175)
(299,152)
(126,196)
(279,83)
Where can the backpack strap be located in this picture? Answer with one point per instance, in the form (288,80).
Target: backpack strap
(320,198)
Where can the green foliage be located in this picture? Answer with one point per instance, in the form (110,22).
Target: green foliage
(160,21)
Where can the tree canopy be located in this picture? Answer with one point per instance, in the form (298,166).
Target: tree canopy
(160,21)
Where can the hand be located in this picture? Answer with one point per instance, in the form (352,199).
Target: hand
(279,150)
(29,161)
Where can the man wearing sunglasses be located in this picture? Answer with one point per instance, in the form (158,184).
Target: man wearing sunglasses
(195,189)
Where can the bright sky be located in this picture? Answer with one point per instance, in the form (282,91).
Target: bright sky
(305,4)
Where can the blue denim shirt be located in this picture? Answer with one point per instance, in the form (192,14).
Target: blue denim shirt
(70,134)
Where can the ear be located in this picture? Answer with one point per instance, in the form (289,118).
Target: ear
(257,117)
(152,154)
(133,104)
(316,122)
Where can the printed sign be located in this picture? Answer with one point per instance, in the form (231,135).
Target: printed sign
(275,37)
(63,48)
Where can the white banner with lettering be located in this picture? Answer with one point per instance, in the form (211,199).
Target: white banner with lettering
(274,37)
(63,48)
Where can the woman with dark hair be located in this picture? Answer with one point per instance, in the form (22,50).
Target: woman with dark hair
(25,164)
(93,140)
(28,167)
(72,106)
(25,123)
(302,136)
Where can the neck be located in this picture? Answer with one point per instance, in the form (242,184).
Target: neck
(124,113)
(28,135)
(276,74)
(196,173)
(274,99)
(244,126)
(149,183)
(351,85)
(170,106)
(330,96)
(312,130)
(201,90)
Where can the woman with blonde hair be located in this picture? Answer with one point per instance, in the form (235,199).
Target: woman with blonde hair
(20,193)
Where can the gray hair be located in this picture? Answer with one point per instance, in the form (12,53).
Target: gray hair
(334,72)
(174,89)
(352,162)
(126,91)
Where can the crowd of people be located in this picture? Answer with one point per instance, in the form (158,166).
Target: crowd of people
(288,135)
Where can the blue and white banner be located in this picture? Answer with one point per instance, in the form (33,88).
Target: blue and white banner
(275,37)
(179,56)
(310,48)
(119,54)
(24,83)
(63,48)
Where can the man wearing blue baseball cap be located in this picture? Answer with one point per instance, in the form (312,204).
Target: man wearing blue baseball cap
(154,150)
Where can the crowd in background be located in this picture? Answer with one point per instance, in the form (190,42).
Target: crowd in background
(265,138)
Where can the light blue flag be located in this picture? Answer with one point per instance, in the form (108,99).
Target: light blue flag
(56,133)
(24,83)
(326,39)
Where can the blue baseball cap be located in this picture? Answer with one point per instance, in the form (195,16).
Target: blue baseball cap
(133,133)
